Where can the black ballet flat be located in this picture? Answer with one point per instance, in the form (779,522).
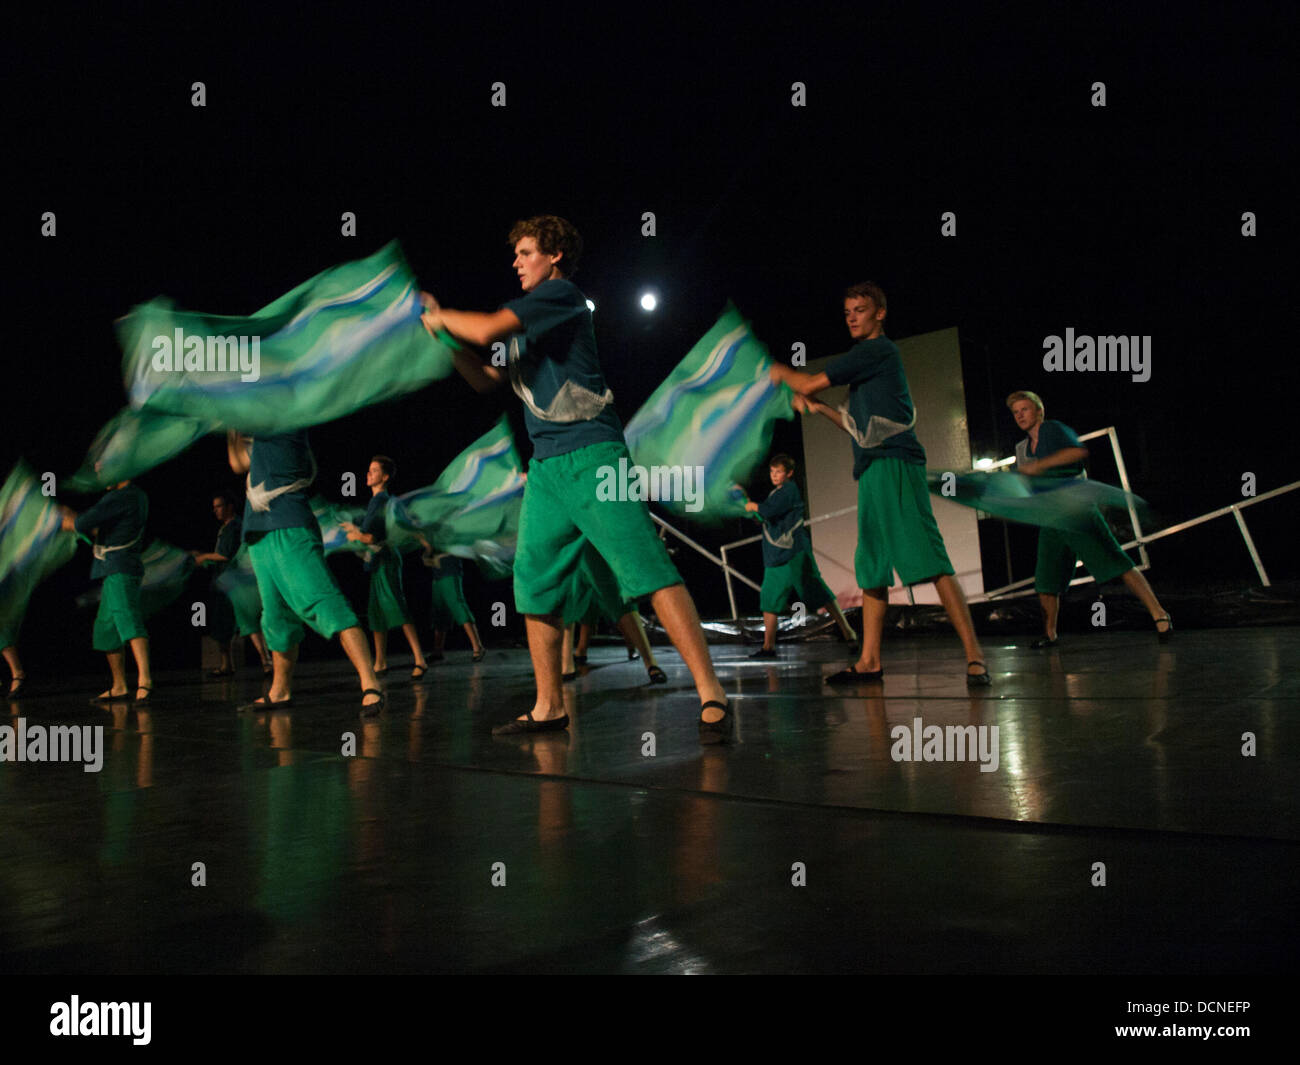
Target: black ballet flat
(852,676)
(580,659)
(373,709)
(481,654)
(263,704)
(657,675)
(1043,642)
(566,677)
(514,728)
(106,700)
(418,672)
(148,699)
(1165,635)
(16,686)
(717,731)
(978,680)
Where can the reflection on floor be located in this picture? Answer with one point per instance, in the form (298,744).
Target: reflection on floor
(418,842)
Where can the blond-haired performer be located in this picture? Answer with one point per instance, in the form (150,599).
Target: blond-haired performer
(569,411)
(896,527)
(1053,449)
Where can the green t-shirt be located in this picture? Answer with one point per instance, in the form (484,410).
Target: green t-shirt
(1054,436)
(555,371)
(880,406)
(276,461)
(119,518)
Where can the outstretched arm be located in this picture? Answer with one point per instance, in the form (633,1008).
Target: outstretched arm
(1067,456)
(475,328)
(804,405)
(806,384)
(237,451)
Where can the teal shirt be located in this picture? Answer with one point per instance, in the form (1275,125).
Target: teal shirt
(277,460)
(1054,436)
(119,516)
(447,566)
(373,524)
(873,370)
(554,369)
(782,515)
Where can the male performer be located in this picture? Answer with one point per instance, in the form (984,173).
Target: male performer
(117,523)
(387,608)
(596,595)
(1052,449)
(448,605)
(284,544)
(788,564)
(575,432)
(896,527)
(228,622)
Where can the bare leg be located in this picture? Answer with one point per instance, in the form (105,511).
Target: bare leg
(544,640)
(676,612)
(282,679)
(1051,605)
(227,655)
(875,601)
(117,667)
(584,639)
(471,630)
(567,664)
(140,649)
(769,631)
(413,638)
(354,646)
(381,651)
(260,644)
(15,666)
(1136,582)
(439,641)
(954,602)
(634,632)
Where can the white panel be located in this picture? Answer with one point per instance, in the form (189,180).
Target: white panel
(932,363)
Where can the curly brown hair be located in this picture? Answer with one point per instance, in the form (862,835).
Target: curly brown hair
(871,291)
(554,236)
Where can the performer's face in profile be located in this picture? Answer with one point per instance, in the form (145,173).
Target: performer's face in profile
(374,475)
(222,510)
(532,265)
(1026,413)
(779,475)
(865,320)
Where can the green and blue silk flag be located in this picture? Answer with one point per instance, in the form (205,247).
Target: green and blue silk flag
(32,545)
(1060,503)
(714,414)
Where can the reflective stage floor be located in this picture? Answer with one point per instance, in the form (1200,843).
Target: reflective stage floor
(624,846)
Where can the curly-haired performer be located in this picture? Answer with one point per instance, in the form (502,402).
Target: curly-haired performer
(554,369)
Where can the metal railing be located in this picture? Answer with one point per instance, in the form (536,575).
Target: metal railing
(1140,539)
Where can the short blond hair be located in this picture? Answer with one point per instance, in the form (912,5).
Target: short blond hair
(1015,397)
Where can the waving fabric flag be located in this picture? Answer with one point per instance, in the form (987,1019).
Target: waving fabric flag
(472,509)
(1057,503)
(331,517)
(714,412)
(238,583)
(133,443)
(32,545)
(349,337)
(167,569)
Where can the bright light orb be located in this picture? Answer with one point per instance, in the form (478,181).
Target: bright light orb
(591,306)
(648,301)
(983,464)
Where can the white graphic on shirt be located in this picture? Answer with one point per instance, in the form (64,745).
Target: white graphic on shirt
(572,403)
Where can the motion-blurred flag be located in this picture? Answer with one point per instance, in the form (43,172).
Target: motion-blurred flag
(715,411)
(331,517)
(1056,503)
(238,583)
(32,545)
(349,337)
(471,510)
(132,443)
(166,571)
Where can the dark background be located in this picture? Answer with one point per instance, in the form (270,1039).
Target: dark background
(1117,220)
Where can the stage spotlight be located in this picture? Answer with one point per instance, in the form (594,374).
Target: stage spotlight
(983,464)
(591,306)
(649,301)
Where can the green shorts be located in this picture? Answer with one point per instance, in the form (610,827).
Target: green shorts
(248,612)
(449,607)
(562,515)
(799,578)
(896,527)
(1097,547)
(596,593)
(120,619)
(296,586)
(387,602)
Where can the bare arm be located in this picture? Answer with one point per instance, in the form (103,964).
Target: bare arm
(810,406)
(806,384)
(1067,456)
(237,451)
(476,328)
